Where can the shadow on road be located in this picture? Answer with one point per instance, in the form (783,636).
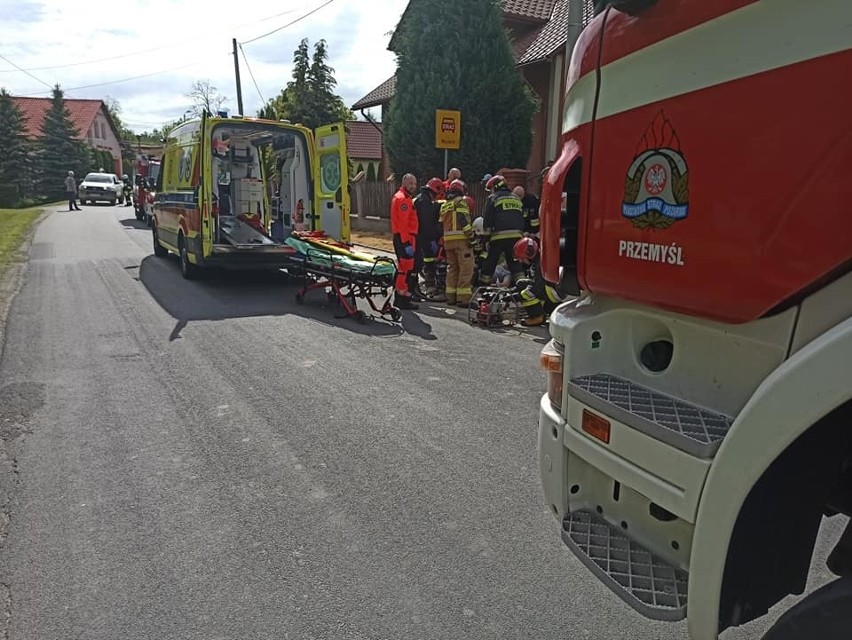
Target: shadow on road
(221,295)
(442,310)
(134,223)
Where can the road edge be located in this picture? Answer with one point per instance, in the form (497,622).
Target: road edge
(12,279)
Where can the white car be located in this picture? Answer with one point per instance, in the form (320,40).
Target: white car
(104,187)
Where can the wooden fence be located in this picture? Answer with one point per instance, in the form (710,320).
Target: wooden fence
(371,204)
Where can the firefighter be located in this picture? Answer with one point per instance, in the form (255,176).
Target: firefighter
(427,204)
(403,219)
(538,297)
(503,220)
(531,204)
(458,244)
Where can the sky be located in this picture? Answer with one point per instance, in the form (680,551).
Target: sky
(146,54)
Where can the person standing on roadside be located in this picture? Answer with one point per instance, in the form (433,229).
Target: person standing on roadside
(71,192)
(404,227)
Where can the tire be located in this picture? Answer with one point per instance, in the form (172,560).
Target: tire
(159,250)
(826,614)
(188,270)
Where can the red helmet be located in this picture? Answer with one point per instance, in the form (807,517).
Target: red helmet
(457,186)
(496,182)
(525,249)
(436,186)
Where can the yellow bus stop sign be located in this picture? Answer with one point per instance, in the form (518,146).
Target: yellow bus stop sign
(447,129)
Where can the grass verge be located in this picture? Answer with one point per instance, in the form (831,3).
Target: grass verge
(14,224)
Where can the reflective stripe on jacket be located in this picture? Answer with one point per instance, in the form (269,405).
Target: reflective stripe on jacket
(504,216)
(455,216)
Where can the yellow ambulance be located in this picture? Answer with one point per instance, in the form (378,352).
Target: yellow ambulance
(232,189)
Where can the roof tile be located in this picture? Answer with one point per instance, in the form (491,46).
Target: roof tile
(364,140)
(379,95)
(529,9)
(82,112)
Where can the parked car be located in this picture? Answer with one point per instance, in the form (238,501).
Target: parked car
(103,187)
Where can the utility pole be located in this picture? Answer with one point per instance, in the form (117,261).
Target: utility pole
(237,73)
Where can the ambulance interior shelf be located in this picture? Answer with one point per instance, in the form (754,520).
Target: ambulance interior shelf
(239,197)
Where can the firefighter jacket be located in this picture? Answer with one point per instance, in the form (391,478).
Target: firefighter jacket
(531,205)
(455,217)
(428,211)
(403,219)
(504,216)
(540,291)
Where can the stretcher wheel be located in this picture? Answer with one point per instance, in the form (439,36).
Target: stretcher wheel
(396,315)
(300,298)
(360,316)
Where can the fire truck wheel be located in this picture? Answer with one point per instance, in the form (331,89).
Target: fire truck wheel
(159,250)
(826,614)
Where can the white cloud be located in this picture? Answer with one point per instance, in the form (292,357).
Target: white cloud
(77,44)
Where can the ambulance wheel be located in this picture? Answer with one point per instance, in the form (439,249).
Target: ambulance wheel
(187,269)
(360,317)
(300,298)
(159,250)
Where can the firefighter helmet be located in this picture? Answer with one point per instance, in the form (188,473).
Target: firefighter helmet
(436,186)
(525,249)
(496,182)
(456,187)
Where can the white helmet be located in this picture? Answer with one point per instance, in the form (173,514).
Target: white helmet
(479,226)
(124,176)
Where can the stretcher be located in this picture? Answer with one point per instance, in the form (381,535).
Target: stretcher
(345,276)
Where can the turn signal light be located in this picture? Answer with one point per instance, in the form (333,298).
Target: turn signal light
(551,362)
(595,426)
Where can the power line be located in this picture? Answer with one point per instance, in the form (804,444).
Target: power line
(262,100)
(146,75)
(325,4)
(206,36)
(27,72)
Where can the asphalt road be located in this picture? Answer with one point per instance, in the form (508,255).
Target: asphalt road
(209,460)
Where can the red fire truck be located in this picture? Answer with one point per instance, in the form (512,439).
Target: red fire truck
(697,429)
(147,168)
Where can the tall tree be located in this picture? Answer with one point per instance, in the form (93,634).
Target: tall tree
(309,98)
(59,149)
(15,166)
(472,70)
(205,97)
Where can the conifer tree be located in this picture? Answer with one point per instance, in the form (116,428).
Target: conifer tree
(457,58)
(309,98)
(15,165)
(59,150)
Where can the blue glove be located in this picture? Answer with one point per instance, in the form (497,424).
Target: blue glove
(409,251)
(433,246)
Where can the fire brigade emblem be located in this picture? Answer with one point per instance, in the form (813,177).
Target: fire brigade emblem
(656,191)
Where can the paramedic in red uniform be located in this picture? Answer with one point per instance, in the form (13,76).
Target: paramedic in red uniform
(404,227)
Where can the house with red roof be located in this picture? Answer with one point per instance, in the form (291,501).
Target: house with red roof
(90,117)
(539,33)
(364,149)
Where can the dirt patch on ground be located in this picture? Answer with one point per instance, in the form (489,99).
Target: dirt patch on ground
(383,241)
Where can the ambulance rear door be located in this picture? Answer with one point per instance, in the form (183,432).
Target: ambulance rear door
(331,182)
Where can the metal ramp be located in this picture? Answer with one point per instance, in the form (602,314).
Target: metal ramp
(642,579)
(690,428)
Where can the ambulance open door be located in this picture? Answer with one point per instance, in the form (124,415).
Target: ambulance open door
(331,180)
